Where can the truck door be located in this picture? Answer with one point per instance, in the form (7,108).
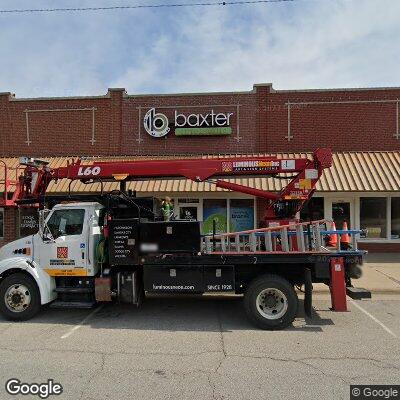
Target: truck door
(63,251)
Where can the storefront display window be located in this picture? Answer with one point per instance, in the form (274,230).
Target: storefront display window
(188,213)
(241,215)
(373,216)
(188,209)
(395,230)
(214,209)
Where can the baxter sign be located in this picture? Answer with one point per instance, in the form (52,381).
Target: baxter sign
(157,124)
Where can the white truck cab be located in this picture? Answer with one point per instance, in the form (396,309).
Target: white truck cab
(65,246)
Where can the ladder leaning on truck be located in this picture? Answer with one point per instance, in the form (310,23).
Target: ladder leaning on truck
(114,246)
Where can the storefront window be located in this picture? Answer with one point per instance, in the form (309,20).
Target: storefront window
(313,210)
(1,224)
(188,209)
(188,213)
(395,231)
(373,216)
(241,215)
(214,209)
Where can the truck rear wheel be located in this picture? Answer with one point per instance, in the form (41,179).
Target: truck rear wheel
(19,297)
(271,302)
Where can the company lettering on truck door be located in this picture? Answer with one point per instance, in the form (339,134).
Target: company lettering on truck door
(61,255)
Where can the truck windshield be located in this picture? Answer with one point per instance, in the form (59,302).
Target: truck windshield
(66,222)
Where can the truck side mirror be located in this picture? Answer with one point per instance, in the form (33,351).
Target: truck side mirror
(44,231)
(46,235)
(47,239)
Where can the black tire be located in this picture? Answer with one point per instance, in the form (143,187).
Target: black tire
(34,305)
(287,303)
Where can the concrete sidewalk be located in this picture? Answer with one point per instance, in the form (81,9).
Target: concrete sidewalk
(381,275)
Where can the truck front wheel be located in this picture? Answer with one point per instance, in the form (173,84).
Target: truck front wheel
(271,302)
(19,297)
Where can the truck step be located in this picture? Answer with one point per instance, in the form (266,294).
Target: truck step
(67,289)
(73,304)
(358,293)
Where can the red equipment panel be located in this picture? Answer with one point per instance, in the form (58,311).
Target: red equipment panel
(338,285)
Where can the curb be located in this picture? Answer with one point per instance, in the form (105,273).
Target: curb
(373,291)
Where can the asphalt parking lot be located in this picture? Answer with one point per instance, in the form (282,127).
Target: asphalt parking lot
(203,348)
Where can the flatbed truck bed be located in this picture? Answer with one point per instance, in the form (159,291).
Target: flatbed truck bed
(76,264)
(245,273)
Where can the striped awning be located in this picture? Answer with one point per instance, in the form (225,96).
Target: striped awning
(350,172)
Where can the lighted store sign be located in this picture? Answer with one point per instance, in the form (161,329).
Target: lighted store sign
(157,124)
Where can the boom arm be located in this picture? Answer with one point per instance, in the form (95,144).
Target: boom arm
(303,172)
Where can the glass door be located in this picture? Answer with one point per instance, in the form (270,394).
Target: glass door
(341,211)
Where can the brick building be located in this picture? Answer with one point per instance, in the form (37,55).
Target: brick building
(361,126)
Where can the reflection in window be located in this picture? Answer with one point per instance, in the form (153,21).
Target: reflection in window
(214,210)
(313,210)
(373,216)
(66,222)
(395,231)
(241,215)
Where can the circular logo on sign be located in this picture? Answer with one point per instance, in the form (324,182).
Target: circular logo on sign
(156,124)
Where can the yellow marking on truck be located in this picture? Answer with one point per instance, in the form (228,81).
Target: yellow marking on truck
(305,183)
(66,272)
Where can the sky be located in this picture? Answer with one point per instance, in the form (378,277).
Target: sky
(304,44)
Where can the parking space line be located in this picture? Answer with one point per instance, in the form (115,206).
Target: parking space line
(86,319)
(374,319)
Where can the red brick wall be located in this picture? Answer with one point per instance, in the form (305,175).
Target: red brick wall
(341,120)
(10,226)
(118,125)
(262,121)
(380,247)
(53,133)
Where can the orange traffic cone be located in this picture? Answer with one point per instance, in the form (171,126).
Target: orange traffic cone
(333,236)
(345,237)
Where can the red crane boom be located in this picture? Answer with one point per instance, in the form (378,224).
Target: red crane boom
(303,173)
